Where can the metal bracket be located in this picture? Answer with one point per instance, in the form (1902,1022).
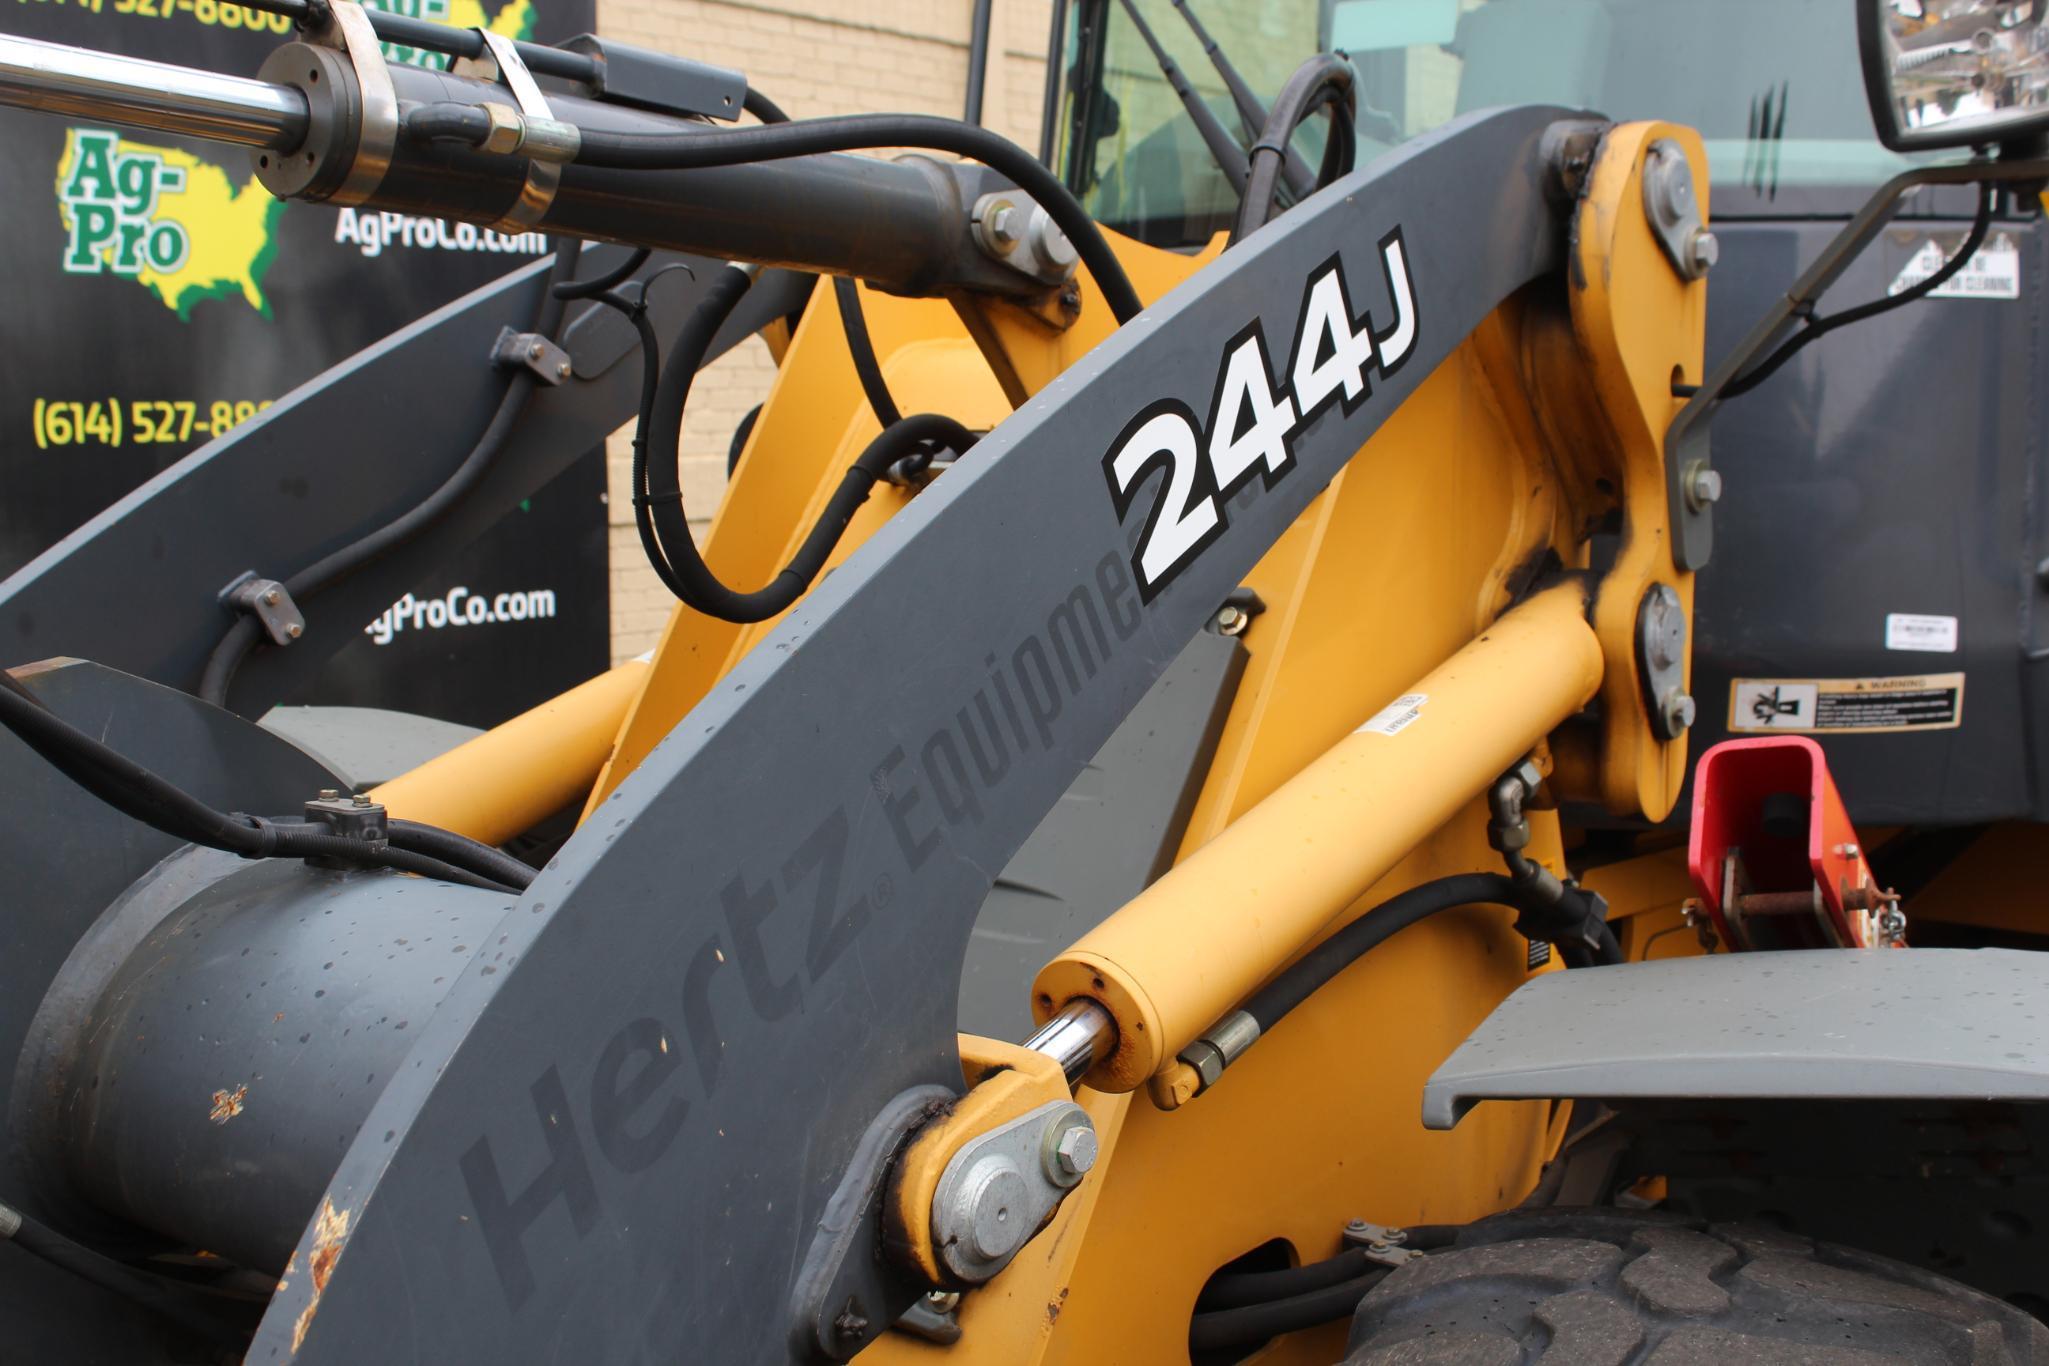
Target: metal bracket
(1383,1245)
(347,29)
(1674,211)
(533,351)
(269,602)
(1002,1186)
(845,1295)
(933,1318)
(536,135)
(1661,661)
(1011,228)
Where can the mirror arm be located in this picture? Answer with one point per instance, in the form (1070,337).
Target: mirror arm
(1686,440)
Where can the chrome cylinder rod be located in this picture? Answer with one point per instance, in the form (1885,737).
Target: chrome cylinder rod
(57,78)
(1078,1038)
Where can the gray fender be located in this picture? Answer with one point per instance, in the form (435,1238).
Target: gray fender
(1822,1024)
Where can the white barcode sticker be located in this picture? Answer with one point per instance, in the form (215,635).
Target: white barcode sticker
(1397,716)
(1907,631)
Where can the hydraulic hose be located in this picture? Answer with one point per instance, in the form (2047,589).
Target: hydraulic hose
(1311,973)
(145,796)
(867,132)
(41,1241)
(1321,81)
(658,496)
(1239,1289)
(1255,1323)
(240,639)
(1265,1287)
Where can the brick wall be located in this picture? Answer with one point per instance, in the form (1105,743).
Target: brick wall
(812,57)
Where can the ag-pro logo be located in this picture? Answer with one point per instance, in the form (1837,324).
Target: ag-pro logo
(110,204)
(169,220)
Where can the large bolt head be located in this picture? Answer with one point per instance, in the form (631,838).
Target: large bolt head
(1703,487)
(1679,712)
(1707,249)
(1076,1151)
(1002,224)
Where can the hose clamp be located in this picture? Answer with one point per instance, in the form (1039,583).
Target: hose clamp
(347,30)
(546,142)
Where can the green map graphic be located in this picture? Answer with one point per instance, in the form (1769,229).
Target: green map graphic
(179,225)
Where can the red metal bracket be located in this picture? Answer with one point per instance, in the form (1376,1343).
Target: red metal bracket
(1773,854)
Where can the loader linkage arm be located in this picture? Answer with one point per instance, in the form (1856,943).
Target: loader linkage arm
(689,1086)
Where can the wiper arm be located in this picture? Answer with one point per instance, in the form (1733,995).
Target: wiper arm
(1223,148)
(1296,171)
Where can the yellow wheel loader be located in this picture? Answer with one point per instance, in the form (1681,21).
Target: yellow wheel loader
(1327,723)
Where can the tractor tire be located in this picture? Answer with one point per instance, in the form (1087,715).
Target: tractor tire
(1602,1287)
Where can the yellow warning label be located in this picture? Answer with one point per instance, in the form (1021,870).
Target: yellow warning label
(1847,706)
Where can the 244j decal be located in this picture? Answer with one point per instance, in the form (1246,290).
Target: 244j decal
(1253,421)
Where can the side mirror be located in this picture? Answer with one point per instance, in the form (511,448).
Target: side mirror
(1955,73)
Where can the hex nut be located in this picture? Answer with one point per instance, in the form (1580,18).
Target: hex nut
(1076,1151)
(1707,250)
(1703,487)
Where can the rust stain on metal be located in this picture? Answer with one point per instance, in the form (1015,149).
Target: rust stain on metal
(228,1104)
(330,1231)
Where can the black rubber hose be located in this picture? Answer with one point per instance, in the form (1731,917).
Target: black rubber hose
(763,108)
(145,796)
(1311,973)
(1264,1287)
(41,1241)
(862,132)
(853,320)
(240,639)
(600,284)
(1255,1323)
(862,347)
(459,851)
(1817,328)
(659,494)
(1320,81)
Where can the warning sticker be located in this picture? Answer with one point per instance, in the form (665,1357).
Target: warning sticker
(1847,705)
(1397,716)
(1993,272)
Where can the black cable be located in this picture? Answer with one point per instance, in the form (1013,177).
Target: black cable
(240,638)
(763,108)
(459,851)
(611,279)
(1309,974)
(859,132)
(853,320)
(1817,328)
(143,795)
(41,1241)
(659,515)
(1264,1287)
(1322,81)
(1255,1323)
(855,324)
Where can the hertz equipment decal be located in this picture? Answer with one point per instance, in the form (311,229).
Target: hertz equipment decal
(1847,706)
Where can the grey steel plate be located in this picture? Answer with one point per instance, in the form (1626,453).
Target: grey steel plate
(1822,1024)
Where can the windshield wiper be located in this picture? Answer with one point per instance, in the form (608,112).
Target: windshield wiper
(1223,148)
(1296,171)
